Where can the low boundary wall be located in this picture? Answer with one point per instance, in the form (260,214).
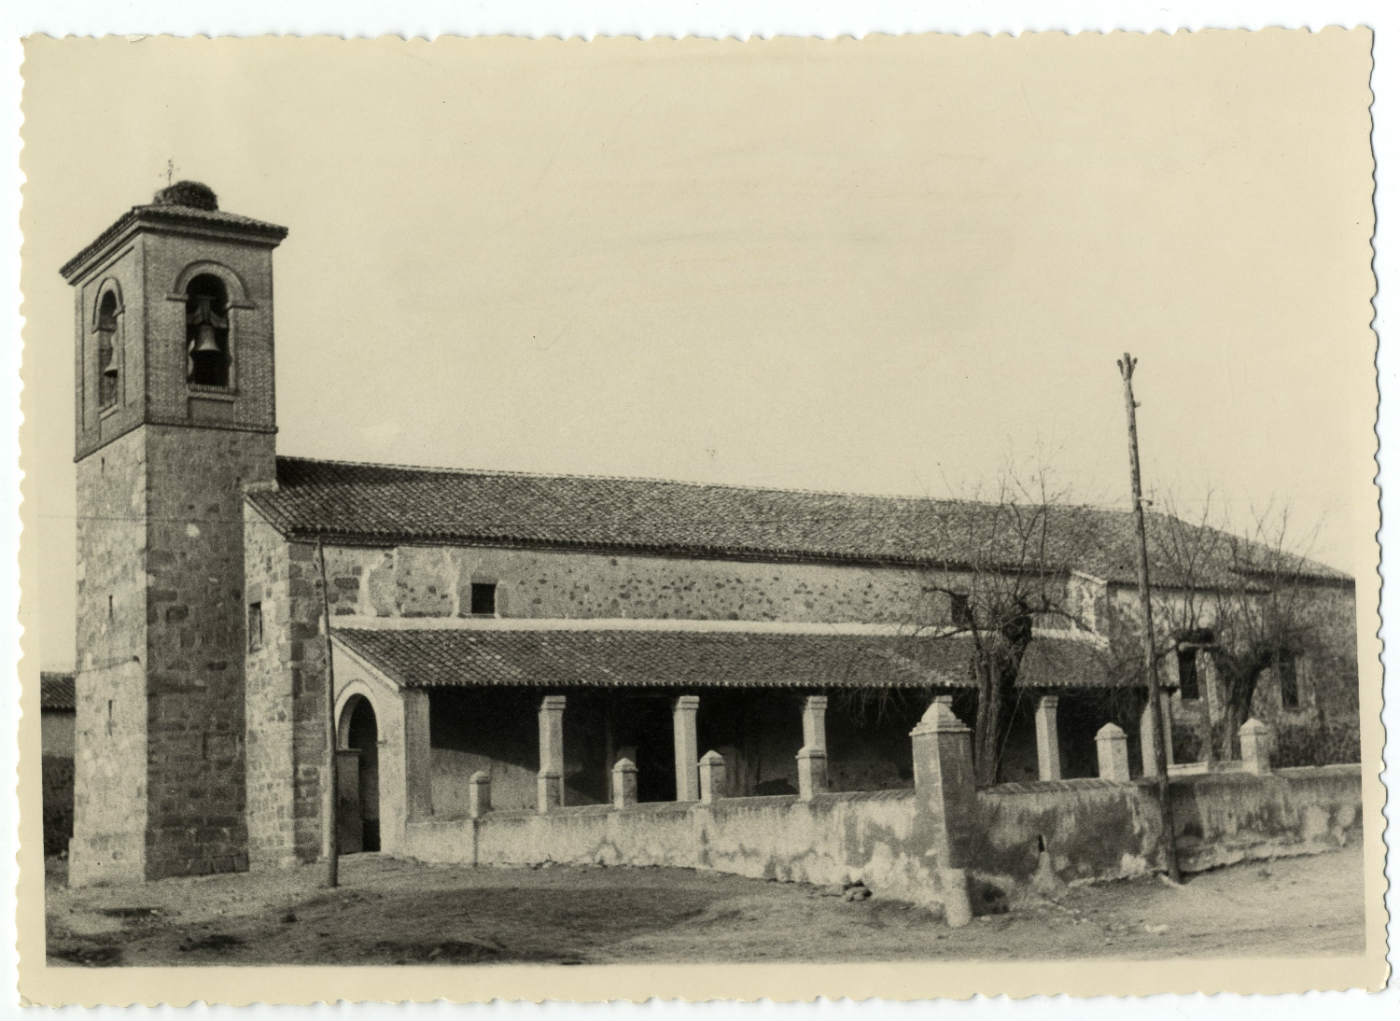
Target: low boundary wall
(1064,831)
(832,838)
(923,845)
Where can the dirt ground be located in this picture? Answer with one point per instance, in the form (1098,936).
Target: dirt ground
(395,912)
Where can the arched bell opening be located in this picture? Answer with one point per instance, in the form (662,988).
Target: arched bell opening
(206,332)
(108,355)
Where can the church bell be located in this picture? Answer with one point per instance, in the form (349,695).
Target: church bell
(110,370)
(206,342)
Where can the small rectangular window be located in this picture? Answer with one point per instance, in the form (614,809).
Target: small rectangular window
(961,610)
(484,598)
(255,627)
(1186,674)
(1288,682)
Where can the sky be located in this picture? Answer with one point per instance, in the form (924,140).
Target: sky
(887,266)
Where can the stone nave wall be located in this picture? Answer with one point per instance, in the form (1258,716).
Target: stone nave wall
(426,581)
(286,697)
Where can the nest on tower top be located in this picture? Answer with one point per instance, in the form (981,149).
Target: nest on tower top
(188,193)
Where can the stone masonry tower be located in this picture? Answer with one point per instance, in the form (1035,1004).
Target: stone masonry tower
(175,415)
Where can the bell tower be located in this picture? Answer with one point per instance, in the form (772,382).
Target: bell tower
(175,414)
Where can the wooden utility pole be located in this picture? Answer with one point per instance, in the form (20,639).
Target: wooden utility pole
(1126,364)
(330,791)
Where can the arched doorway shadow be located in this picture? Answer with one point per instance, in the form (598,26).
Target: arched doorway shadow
(357,781)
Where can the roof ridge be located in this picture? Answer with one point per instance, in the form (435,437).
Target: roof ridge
(695,483)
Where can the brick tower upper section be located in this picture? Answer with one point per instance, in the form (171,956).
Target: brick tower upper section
(174,320)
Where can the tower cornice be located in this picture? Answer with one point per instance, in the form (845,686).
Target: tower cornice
(185,220)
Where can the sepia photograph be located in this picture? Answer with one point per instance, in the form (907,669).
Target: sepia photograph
(901,505)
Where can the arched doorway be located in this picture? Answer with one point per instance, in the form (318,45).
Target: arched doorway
(357,801)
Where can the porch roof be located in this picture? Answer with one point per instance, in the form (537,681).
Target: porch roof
(574,657)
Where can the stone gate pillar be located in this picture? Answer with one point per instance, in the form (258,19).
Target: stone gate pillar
(624,784)
(1112,747)
(1256,745)
(711,777)
(945,789)
(478,795)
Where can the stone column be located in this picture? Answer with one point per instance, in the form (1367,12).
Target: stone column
(945,801)
(687,747)
(1255,741)
(1112,746)
(624,784)
(1047,737)
(814,722)
(478,795)
(811,759)
(418,751)
(550,784)
(711,777)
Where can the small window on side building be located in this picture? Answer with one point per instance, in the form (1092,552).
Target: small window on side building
(1186,675)
(1288,681)
(483,598)
(961,610)
(255,627)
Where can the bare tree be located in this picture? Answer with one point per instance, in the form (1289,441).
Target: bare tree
(1002,577)
(1241,599)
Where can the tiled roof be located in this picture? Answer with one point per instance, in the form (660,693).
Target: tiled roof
(56,691)
(455,657)
(368,503)
(174,215)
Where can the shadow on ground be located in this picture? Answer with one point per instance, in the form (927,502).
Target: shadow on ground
(391,912)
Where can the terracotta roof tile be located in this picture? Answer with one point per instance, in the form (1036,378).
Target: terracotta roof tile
(175,215)
(427,658)
(56,691)
(374,504)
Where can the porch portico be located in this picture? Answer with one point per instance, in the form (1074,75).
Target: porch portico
(546,711)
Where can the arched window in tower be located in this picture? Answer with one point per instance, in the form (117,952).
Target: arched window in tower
(108,358)
(206,332)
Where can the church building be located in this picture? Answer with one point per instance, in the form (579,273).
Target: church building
(536,630)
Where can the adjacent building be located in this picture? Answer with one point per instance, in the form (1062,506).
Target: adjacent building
(56,720)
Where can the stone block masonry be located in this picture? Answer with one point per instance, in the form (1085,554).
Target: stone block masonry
(195,646)
(110,759)
(285,698)
(434,582)
(160,760)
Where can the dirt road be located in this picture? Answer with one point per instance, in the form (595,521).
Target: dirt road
(389,912)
